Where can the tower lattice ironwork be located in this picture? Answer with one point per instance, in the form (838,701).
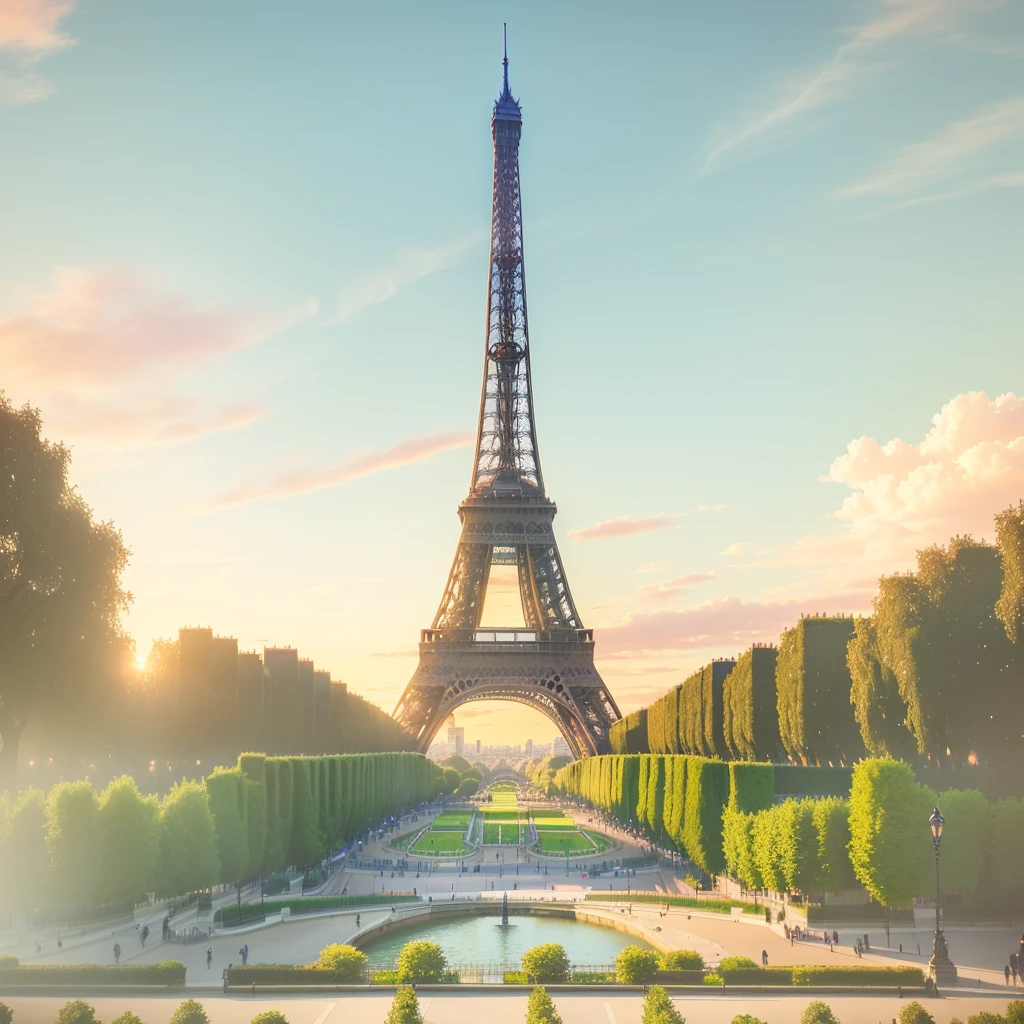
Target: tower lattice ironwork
(507,520)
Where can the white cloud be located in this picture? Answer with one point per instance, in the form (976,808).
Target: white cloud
(409,264)
(955,150)
(1013,179)
(737,549)
(29,31)
(626,526)
(651,567)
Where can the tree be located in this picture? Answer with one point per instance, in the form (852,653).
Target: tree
(818,1012)
(1007,840)
(346,961)
(681,960)
(30,857)
(890,843)
(187,842)
(965,838)
(127,1018)
(405,1008)
(270,1017)
(256,823)
(6,1014)
(914,1013)
(60,588)
(659,1009)
(831,818)
(421,961)
(1010,538)
(77,1011)
(225,788)
(546,964)
(189,1012)
(636,966)
(874,689)
(467,788)
(540,1009)
(73,839)
(451,780)
(128,842)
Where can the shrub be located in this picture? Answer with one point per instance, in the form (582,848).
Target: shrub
(167,972)
(746,1018)
(405,1008)
(1014,1012)
(346,961)
(78,1011)
(659,1009)
(546,963)
(636,966)
(817,974)
(190,1012)
(421,961)
(6,1014)
(515,978)
(712,979)
(8,962)
(275,884)
(818,1012)
(985,1017)
(681,960)
(732,963)
(270,1017)
(384,977)
(915,1013)
(127,1018)
(540,1009)
(757,975)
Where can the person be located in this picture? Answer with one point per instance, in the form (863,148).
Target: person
(117,952)
(835,938)
(1006,973)
(764,957)
(357,920)
(209,957)
(1014,968)
(144,934)
(60,944)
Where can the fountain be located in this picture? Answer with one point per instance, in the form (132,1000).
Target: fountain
(504,909)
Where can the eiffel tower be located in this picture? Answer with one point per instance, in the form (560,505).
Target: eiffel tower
(507,520)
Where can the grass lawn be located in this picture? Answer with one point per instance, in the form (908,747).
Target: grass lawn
(449,820)
(600,840)
(552,819)
(507,835)
(443,842)
(559,842)
(501,814)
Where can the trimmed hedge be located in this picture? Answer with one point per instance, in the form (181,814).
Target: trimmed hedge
(680,977)
(796,780)
(286,974)
(169,973)
(228,915)
(816,974)
(751,786)
(693,903)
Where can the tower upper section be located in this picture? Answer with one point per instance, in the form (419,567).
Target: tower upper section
(507,464)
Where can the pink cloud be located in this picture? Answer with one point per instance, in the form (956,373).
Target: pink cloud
(32,26)
(306,479)
(666,589)
(727,625)
(625,526)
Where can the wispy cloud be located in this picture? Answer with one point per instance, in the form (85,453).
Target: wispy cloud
(667,589)
(817,86)
(651,567)
(304,479)
(107,353)
(957,149)
(29,31)
(1013,179)
(737,549)
(713,508)
(409,264)
(626,526)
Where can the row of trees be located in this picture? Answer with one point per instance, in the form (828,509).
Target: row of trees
(931,675)
(723,817)
(74,847)
(543,771)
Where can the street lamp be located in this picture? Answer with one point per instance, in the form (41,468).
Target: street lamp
(942,968)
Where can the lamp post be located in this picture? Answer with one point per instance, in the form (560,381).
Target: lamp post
(942,968)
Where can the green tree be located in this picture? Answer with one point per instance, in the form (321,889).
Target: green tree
(546,964)
(636,966)
(270,1017)
(914,1013)
(540,1009)
(965,839)
(1010,538)
(818,1012)
(659,1009)
(681,960)
(1007,840)
(746,1018)
(874,692)
(189,1012)
(256,825)
(128,842)
(187,842)
(831,817)
(73,839)
(451,780)
(405,1008)
(344,960)
(890,846)
(228,800)
(467,788)
(30,857)
(61,597)
(127,1018)
(421,961)
(6,1014)
(797,845)
(77,1011)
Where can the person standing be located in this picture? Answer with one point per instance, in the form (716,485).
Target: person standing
(117,952)
(764,957)
(1006,973)
(209,957)
(245,954)
(1014,967)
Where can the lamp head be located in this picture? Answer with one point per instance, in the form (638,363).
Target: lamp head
(936,821)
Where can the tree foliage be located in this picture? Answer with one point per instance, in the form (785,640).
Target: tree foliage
(128,842)
(73,840)
(187,842)
(421,961)
(1010,538)
(635,965)
(546,964)
(344,960)
(659,1009)
(750,720)
(405,1008)
(540,1009)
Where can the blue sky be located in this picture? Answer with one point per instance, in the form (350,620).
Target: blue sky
(244,277)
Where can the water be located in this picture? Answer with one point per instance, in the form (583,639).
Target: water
(475,940)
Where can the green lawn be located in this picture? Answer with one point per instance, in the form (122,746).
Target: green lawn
(546,819)
(559,842)
(501,814)
(449,820)
(440,842)
(506,835)
(600,840)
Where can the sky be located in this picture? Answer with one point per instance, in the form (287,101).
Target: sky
(775,298)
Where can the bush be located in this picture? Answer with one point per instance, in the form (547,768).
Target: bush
(659,1009)
(540,1009)
(546,964)
(167,972)
(384,977)
(405,1008)
(76,1012)
(636,966)
(6,1014)
(275,884)
(756,975)
(270,1017)
(818,1012)
(681,960)
(421,961)
(731,963)
(515,978)
(814,974)
(345,961)
(190,1012)
(1014,1012)
(127,1018)
(985,1017)
(8,962)
(915,1013)
(746,1018)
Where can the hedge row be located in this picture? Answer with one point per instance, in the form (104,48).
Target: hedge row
(287,974)
(169,973)
(690,902)
(228,914)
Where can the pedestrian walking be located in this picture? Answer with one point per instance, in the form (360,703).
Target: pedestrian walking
(245,954)
(1006,973)
(117,952)
(1014,966)
(209,957)
(764,957)
(835,938)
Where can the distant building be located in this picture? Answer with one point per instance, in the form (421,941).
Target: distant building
(223,698)
(456,738)
(308,710)
(321,709)
(478,747)
(529,748)
(253,694)
(559,747)
(284,725)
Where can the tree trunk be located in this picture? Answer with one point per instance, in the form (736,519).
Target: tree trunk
(10,732)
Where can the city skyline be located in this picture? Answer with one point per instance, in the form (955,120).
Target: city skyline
(273,369)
